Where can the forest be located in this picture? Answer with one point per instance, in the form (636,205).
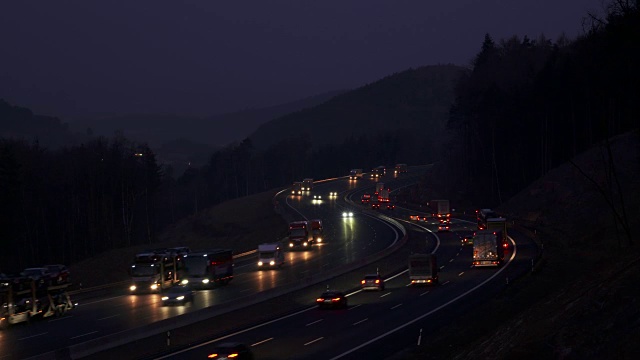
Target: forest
(525,106)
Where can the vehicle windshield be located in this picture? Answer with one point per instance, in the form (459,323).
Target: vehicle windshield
(266,254)
(298,232)
(144,270)
(371,277)
(196,265)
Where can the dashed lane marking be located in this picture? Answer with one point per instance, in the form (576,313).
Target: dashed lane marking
(79,336)
(312,341)
(360,322)
(315,322)
(424,293)
(396,306)
(32,336)
(461,273)
(262,342)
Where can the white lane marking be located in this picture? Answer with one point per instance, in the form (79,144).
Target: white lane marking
(385,294)
(425,293)
(360,322)
(396,306)
(315,322)
(262,342)
(461,273)
(451,260)
(446,282)
(312,341)
(353,307)
(79,336)
(108,317)
(458,253)
(441,267)
(513,255)
(62,318)
(32,336)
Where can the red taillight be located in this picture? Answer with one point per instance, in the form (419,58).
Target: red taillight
(377,281)
(362,282)
(319,300)
(232,355)
(335,299)
(211,356)
(505,245)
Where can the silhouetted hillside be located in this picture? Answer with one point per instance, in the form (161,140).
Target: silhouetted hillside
(218,130)
(415,100)
(20,123)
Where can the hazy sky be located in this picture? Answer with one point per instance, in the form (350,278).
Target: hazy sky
(90,57)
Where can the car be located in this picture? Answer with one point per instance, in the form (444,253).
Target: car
(317,197)
(390,206)
(444,227)
(466,238)
(59,273)
(365,198)
(347,214)
(179,294)
(372,282)
(332,299)
(231,350)
(40,275)
(333,193)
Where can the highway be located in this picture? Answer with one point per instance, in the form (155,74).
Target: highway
(113,311)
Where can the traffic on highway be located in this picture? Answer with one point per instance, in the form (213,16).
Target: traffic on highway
(307,295)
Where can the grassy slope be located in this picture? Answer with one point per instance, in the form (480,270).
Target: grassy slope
(583,300)
(240,224)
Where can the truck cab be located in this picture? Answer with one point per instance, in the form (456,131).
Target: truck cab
(270,256)
(299,235)
(423,269)
(355,174)
(307,184)
(316,230)
(296,188)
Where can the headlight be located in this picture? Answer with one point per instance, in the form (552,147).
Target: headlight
(305,243)
(272,262)
(344,214)
(154,287)
(319,240)
(165,298)
(184,282)
(290,244)
(205,281)
(180,298)
(259,263)
(350,214)
(133,288)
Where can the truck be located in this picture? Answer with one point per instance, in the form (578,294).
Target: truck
(296,188)
(355,174)
(23,299)
(378,171)
(487,248)
(316,230)
(207,268)
(299,235)
(385,200)
(270,255)
(440,211)
(153,272)
(400,169)
(423,269)
(499,224)
(379,186)
(482,216)
(307,184)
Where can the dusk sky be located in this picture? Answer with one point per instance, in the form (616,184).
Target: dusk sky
(81,58)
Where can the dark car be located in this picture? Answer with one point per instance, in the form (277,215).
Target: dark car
(40,275)
(466,238)
(178,295)
(372,282)
(332,299)
(59,273)
(365,198)
(231,350)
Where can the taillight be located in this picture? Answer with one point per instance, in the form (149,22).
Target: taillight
(319,300)
(232,355)
(211,356)
(377,281)
(362,282)
(335,299)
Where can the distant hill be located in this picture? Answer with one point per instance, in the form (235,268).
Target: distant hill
(218,130)
(415,100)
(21,123)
